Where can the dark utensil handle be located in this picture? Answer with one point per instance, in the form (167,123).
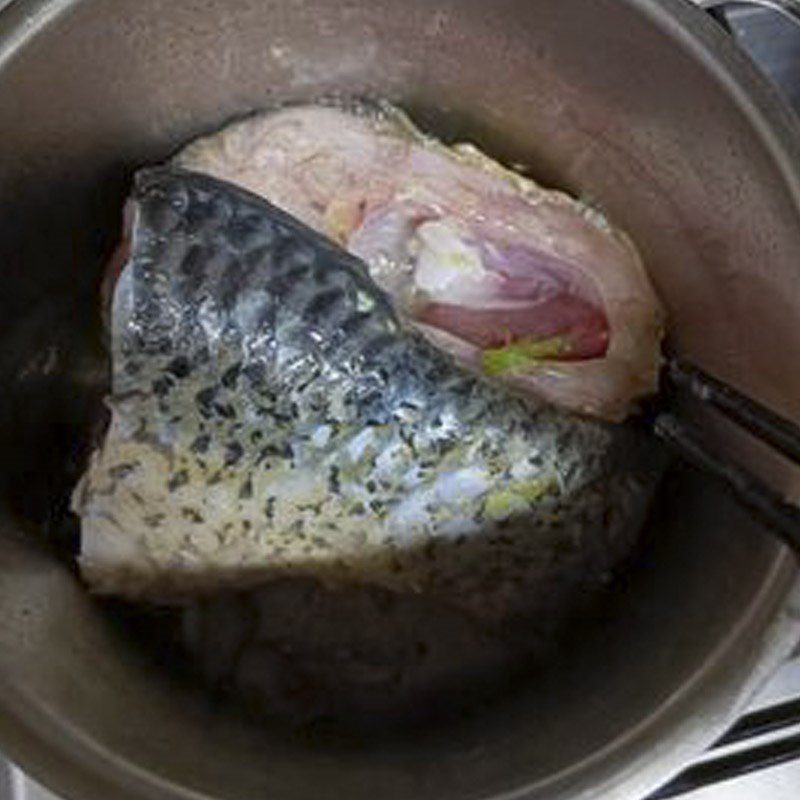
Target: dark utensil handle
(767,505)
(780,433)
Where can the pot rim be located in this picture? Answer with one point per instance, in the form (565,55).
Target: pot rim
(647,756)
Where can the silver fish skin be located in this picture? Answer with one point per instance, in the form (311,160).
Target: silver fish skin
(271,416)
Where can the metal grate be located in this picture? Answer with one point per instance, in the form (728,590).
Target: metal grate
(782,718)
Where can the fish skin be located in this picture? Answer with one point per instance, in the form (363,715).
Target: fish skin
(272,416)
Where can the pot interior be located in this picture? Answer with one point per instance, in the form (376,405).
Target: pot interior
(613,100)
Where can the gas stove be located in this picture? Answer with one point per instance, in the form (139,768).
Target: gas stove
(759,759)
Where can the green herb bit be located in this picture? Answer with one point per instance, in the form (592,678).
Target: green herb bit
(523,354)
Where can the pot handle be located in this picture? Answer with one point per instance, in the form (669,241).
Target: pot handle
(787,8)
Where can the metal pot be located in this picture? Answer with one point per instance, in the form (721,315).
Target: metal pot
(641,105)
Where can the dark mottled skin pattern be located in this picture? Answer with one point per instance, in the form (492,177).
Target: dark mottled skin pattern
(250,355)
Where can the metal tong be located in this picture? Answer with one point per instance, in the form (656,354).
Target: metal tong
(779,515)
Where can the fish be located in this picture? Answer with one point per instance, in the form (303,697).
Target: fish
(529,285)
(272,416)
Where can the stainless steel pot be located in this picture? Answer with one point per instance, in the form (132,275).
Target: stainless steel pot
(641,105)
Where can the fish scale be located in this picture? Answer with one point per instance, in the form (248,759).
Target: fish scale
(271,415)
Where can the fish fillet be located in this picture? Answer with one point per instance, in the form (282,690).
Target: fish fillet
(271,415)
